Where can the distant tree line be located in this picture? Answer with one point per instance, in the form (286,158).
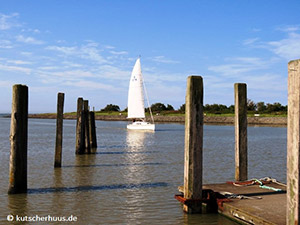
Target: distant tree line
(252,107)
(110,108)
(261,107)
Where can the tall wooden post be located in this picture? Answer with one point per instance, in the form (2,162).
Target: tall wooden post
(92,126)
(241,155)
(293,140)
(86,126)
(59,129)
(79,149)
(193,151)
(18,140)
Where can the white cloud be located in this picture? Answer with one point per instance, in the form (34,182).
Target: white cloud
(254,71)
(92,53)
(29,40)
(239,66)
(6,44)
(64,50)
(288,48)
(46,68)
(250,41)
(5,84)
(267,81)
(19,62)
(27,54)
(36,31)
(69,64)
(15,69)
(163,59)
(289,28)
(89,51)
(7,21)
(109,47)
(119,53)
(90,85)
(255,30)
(60,76)
(113,73)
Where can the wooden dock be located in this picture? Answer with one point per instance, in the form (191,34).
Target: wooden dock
(249,204)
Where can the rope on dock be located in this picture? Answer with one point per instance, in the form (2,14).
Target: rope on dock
(261,182)
(236,196)
(273,180)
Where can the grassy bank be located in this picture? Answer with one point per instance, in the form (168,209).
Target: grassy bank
(98,113)
(218,119)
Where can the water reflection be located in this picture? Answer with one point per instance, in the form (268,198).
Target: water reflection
(57,177)
(217,219)
(135,139)
(134,200)
(95,188)
(135,142)
(17,204)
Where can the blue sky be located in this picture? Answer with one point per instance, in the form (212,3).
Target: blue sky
(88,49)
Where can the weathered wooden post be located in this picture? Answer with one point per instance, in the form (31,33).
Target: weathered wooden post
(92,126)
(293,140)
(193,155)
(241,158)
(59,129)
(86,126)
(18,140)
(79,149)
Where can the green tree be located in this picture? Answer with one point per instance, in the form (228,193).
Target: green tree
(182,108)
(158,107)
(215,108)
(251,106)
(111,108)
(261,107)
(231,109)
(275,107)
(169,108)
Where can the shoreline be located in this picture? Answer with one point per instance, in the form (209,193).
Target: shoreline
(211,120)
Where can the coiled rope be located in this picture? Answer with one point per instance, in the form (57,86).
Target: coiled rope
(261,184)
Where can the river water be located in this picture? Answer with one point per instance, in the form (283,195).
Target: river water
(133,176)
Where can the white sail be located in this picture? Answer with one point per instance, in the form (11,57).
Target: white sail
(136,107)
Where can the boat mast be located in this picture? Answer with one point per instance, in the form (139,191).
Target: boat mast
(147,100)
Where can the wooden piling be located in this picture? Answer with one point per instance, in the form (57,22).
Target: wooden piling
(59,129)
(241,158)
(86,126)
(293,140)
(92,126)
(18,140)
(79,148)
(193,151)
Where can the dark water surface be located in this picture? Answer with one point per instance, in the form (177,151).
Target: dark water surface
(133,176)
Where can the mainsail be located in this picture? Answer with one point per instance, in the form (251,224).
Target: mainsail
(135,94)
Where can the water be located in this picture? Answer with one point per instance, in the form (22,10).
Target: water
(134,175)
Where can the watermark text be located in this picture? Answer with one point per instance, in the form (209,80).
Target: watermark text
(37,218)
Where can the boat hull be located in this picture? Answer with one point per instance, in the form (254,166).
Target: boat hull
(141,126)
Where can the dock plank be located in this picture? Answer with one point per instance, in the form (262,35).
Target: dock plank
(270,209)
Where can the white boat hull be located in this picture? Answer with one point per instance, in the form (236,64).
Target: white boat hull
(141,126)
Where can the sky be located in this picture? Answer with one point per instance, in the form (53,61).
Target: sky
(88,49)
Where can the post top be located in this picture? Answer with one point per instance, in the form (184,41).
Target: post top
(19,85)
(195,77)
(294,61)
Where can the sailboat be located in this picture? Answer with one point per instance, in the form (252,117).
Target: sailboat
(136,109)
